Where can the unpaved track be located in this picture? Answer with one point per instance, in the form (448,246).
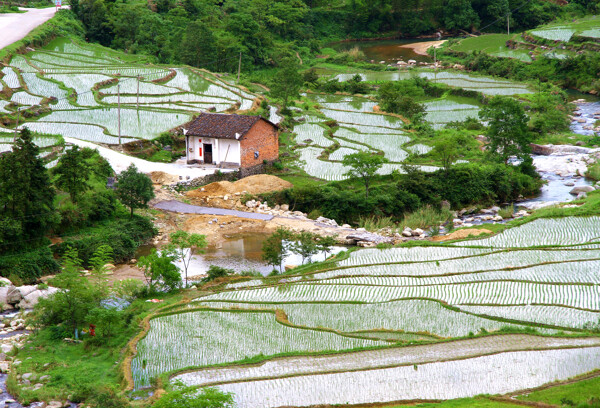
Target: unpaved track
(178,206)
(392,357)
(15,26)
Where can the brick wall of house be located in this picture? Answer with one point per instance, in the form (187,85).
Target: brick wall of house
(263,138)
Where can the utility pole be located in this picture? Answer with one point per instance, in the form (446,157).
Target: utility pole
(138,93)
(119,109)
(16,127)
(508,23)
(435,63)
(239,68)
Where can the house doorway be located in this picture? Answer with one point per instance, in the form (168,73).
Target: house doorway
(208,157)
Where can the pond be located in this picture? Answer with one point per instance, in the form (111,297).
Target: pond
(385,50)
(240,253)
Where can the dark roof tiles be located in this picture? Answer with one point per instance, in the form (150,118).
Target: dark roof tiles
(222,126)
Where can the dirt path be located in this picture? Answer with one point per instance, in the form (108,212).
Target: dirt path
(15,26)
(392,357)
(178,206)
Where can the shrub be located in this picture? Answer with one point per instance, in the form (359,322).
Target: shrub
(28,267)
(215,272)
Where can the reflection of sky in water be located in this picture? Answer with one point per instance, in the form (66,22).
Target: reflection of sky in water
(243,254)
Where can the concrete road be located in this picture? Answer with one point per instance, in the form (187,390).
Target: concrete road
(15,26)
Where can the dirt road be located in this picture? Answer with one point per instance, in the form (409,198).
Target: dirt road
(15,26)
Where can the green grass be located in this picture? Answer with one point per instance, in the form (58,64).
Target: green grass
(487,43)
(477,402)
(426,217)
(578,392)
(73,368)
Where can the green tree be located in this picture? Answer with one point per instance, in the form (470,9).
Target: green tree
(324,244)
(459,15)
(276,247)
(134,189)
(399,97)
(183,244)
(72,173)
(446,150)
(364,165)
(305,245)
(159,270)
(26,195)
(287,81)
(189,397)
(75,298)
(198,45)
(507,130)
(106,319)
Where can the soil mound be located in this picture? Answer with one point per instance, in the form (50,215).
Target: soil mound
(162,178)
(460,234)
(261,183)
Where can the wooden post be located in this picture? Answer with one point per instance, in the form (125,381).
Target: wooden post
(138,93)
(239,68)
(119,109)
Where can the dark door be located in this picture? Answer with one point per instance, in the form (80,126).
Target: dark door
(208,153)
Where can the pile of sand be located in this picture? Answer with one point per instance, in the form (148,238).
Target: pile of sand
(162,178)
(261,183)
(461,234)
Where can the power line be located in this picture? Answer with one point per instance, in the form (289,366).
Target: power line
(503,17)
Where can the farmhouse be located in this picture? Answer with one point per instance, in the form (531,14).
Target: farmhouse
(231,141)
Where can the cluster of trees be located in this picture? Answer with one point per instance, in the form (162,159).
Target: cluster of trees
(211,34)
(36,202)
(284,242)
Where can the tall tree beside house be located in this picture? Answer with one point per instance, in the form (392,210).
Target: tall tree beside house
(134,189)
(287,81)
(26,195)
(72,173)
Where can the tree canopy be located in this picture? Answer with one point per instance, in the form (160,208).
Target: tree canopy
(134,189)
(364,165)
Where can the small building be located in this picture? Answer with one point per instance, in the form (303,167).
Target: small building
(229,140)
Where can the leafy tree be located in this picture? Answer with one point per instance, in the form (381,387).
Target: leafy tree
(159,270)
(189,397)
(72,173)
(287,81)
(215,272)
(324,244)
(134,189)
(363,165)
(198,45)
(276,247)
(75,299)
(507,128)
(459,14)
(183,244)
(26,195)
(305,245)
(106,319)
(448,146)
(398,97)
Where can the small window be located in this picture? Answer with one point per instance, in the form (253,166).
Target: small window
(256,154)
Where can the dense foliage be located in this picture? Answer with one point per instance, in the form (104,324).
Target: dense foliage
(213,34)
(461,185)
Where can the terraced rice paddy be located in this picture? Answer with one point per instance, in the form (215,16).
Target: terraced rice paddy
(394,297)
(64,65)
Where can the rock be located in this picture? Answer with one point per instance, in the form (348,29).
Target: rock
(2,357)
(569,184)
(497,218)
(417,232)
(457,221)
(366,244)
(44,378)
(16,294)
(495,209)
(487,211)
(581,189)
(581,196)
(407,232)
(27,376)
(4,366)
(34,297)
(346,226)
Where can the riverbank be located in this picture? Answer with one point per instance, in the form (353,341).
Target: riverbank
(422,47)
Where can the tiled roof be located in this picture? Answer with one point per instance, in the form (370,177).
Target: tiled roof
(222,126)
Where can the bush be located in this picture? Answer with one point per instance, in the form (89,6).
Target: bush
(124,236)
(215,272)
(28,266)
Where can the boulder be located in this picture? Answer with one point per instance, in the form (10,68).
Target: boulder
(4,297)
(34,297)
(581,196)
(5,282)
(581,189)
(16,294)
